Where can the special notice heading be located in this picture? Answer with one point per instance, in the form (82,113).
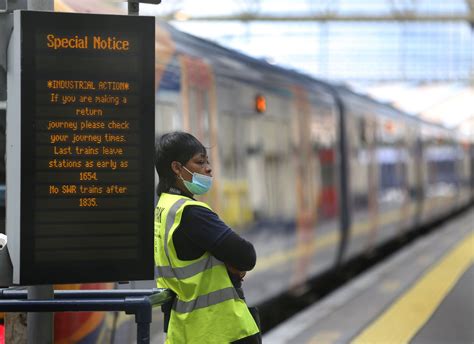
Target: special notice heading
(82,42)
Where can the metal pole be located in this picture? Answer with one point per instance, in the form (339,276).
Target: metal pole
(133,8)
(15,323)
(142,308)
(143,332)
(41,5)
(40,325)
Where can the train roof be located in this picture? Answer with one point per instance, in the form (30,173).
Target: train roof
(222,56)
(249,68)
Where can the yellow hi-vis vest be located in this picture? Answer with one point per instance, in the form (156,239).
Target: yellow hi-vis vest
(207,308)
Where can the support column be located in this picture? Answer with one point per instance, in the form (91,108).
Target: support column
(40,325)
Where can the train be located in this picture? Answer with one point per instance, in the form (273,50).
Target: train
(310,171)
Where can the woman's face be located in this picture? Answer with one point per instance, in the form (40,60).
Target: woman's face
(199,163)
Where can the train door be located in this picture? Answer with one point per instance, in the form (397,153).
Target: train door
(272,130)
(471,159)
(403,196)
(314,141)
(464,171)
(255,168)
(419,170)
(426,194)
(441,175)
(274,161)
(324,147)
(255,155)
(325,142)
(199,114)
(369,125)
(307,188)
(240,147)
(413,175)
(393,200)
(363,183)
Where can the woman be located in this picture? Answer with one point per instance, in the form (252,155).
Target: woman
(197,255)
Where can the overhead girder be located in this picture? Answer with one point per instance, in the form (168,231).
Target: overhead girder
(401,10)
(399,16)
(403,6)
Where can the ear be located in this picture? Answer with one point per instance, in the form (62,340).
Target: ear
(176,167)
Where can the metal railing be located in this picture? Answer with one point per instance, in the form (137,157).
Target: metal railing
(138,302)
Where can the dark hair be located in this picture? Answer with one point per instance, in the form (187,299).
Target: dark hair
(175,146)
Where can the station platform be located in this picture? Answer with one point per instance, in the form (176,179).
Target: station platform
(423,294)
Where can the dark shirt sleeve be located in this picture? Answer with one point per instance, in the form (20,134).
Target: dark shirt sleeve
(236,251)
(202,230)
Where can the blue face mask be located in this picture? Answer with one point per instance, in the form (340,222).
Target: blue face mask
(200,183)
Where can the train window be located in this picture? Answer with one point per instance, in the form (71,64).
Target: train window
(392,164)
(167,118)
(442,164)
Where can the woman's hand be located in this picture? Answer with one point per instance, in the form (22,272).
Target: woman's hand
(236,272)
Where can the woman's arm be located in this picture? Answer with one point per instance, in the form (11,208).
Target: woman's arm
(202,230)
(236,252)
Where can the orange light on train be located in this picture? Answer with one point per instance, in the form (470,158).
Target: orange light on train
(389,127)
(260,103)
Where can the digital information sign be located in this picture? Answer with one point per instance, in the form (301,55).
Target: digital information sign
(80,138)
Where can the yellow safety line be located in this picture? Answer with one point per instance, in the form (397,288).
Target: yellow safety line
(402,321)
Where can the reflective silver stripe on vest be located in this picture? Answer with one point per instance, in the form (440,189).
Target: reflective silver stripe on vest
(187,271)
(170,221)
(207,300)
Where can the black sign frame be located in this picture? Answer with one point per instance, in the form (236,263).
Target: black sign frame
(63,269)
